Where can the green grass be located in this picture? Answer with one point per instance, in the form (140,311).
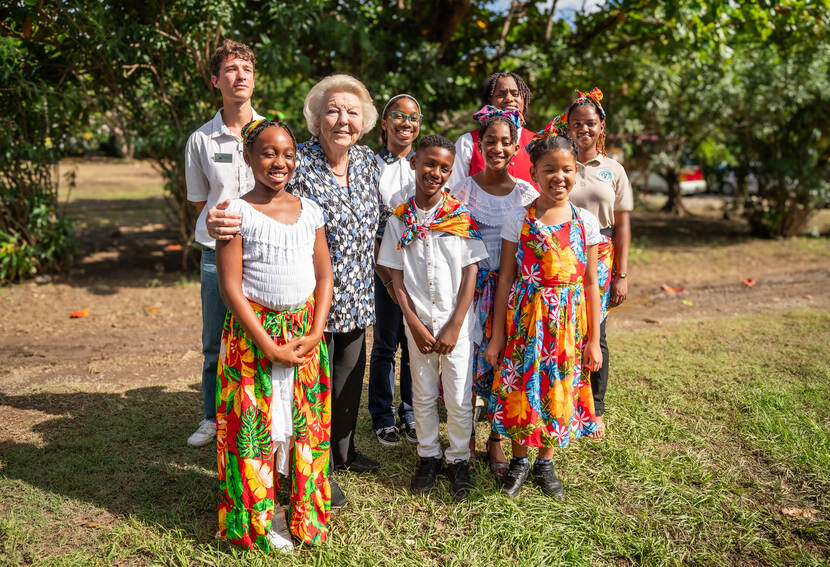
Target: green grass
(714,427)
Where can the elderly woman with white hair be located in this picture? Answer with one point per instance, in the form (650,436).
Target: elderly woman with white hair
(342,177)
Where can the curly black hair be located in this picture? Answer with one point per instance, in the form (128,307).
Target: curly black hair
(436,141)
(488,87)
(560,141)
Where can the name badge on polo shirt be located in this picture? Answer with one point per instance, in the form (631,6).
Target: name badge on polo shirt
(605,175)
(223,158)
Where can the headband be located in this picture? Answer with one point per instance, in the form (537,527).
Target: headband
(489,111)
(556,127)
(396,97)
(594,97)
(250,127)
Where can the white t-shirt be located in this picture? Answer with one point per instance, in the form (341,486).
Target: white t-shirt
(489,212)
(215,170)
(278,259)
(512,230)
(397,179)
(432,270)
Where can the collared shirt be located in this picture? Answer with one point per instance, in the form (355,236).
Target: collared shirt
(215,170)
(397,182)
(352,215)
(432,269)
(602,187)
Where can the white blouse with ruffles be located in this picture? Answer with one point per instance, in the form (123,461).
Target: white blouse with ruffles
(490,211)
(277,263)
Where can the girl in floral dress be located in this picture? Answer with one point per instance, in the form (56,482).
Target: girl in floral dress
(273,401)
(547,301)
(490,195)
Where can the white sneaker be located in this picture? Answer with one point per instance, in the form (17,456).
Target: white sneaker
(204,435)
(278,535)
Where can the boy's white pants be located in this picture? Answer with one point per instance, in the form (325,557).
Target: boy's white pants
(456,376)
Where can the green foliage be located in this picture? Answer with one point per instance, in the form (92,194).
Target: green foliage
(34,235)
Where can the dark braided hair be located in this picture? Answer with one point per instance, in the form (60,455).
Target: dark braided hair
(514,132)
(600,114)
(556,142)
(436,141)
(252,130)
(489,87)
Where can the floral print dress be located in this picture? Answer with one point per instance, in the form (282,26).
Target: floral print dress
(245,451)
(541,396)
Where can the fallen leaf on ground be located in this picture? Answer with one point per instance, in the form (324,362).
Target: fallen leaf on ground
(82,313)
(669,289)
(806,513)
(173,247)
(652,321)
(687,303)
(749,282)
(153,309)
(808,296)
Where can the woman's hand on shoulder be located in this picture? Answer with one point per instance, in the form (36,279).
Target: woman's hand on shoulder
(222,224)
(285,354)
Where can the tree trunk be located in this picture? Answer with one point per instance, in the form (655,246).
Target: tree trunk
(674,205)
(549,26)
(505,29)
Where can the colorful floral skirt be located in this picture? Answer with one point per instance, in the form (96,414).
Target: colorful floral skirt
(541,396)
(483,307)
(245,451)
(605,273)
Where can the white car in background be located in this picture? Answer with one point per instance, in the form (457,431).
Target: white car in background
(691,181)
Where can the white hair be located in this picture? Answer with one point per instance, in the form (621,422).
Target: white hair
(340,83)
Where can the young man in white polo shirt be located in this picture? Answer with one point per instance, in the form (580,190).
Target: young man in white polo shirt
(215,171)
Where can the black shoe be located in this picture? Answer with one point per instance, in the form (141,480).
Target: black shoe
(388,436)
(515,478)
(338,499)
(408,431)
(361,464)
(460,481)
(547,480)
(424,479)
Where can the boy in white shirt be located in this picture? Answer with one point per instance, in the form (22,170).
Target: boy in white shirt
(432,246)
(215,171)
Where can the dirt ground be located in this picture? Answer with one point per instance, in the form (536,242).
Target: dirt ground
(143,328)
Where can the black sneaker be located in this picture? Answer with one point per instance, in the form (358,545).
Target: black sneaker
(515,478)
(361,464)
(424,478)
(547,480)
(460,481)
(388,436)
(408,431)
(338,499)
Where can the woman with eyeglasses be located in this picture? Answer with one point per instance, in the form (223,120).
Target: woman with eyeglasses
(505,91)
(400,125)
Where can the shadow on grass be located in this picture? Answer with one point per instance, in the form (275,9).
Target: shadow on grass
(661,230)
(124,453)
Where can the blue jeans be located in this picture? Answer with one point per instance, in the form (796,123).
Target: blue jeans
(213,319)
(388,334)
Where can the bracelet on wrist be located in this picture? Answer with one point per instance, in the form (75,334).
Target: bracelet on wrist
(621,274)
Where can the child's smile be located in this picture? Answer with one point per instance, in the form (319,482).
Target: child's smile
(555,172)
(272,158)
(433,166)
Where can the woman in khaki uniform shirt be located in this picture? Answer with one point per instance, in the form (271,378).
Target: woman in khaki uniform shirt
(603,189)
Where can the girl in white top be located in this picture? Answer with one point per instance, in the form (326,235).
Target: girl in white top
(401,124)
(491,195)
(275,277)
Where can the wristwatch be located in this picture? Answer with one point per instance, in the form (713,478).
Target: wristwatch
(621,275)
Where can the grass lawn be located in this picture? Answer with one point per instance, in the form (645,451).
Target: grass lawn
(718,453)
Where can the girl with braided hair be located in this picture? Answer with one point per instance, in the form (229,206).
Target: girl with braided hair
(490,195)
(273,402)
(546,320)
(506,91)
(602,188)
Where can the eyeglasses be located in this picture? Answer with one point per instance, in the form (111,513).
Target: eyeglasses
(399,117)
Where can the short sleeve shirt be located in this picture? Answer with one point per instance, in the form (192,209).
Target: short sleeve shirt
(432,270)
(602,187)
(397,183)
(215,170)
(512,230)
(352,217)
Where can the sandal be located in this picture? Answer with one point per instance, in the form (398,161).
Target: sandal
(599,432)
(498,468)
